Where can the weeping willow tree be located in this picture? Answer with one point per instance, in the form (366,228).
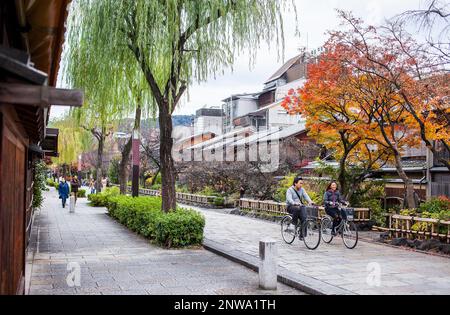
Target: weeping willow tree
(111,78)
(71,141)
(174,43)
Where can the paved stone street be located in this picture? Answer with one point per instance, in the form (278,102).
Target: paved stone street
(402,272)
(114,260)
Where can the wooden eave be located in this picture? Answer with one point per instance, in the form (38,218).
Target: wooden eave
(50,143)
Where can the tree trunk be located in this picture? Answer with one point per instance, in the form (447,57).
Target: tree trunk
(355,184)
(351,190)
(154,177)
(123,166)
(410,200)
(167,164)
(341,176)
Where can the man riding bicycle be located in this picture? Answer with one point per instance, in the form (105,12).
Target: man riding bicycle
(296,197)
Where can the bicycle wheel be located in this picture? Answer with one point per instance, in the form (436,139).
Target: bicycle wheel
(288,230)
(327,228)
(350,235)
(311,234)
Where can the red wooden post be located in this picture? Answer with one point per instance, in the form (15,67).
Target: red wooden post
(79,168)
(135,177)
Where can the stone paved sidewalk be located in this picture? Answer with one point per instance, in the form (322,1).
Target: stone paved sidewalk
(402,272)
(114,260)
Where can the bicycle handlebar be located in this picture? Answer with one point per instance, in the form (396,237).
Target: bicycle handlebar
(338,204)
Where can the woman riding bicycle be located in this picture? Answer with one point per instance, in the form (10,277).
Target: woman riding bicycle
(332,198)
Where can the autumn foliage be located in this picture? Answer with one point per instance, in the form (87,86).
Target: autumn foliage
(373,93)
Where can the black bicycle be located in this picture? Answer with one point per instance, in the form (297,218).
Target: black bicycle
(310,230)
(347,228)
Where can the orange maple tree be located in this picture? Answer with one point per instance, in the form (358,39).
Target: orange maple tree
(419,76)
(335,117)
(355,112)
(372,94)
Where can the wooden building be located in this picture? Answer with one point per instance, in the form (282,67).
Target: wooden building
(31,38)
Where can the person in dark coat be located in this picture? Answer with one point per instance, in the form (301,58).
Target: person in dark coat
(332,198)
(63,190)
(75,185)
(241,192)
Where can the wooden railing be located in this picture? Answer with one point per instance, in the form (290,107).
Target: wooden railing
(144,191)
(193,199)
(402,226)
(149,192)
(277,208)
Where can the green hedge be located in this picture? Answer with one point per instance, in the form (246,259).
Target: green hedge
(136,213)
(436,205)
(50,182)
(436,208)
(101,199)
(219,201)
(81,193)
(179,228)
(143,215)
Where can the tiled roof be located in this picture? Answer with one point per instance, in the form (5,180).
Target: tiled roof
(283,69)
(407,164)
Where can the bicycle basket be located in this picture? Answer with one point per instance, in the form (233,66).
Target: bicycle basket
(350,212)
(312,212)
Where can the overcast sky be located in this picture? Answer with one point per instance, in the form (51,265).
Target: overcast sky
(315,18)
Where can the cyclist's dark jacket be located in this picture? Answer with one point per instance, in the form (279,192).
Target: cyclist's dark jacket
(330,197)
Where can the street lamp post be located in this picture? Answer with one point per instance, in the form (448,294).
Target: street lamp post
(79,167)
(135,177)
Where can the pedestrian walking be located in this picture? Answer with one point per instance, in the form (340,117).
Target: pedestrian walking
(242,192)
(104,183)
(75,185)
(63,190)
(92,186)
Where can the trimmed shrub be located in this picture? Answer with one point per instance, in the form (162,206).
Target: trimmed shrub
(436,205)
(81,193)
(111,203)
(219,201)
(143,215)
(50,182)
(136,213)
(435,208)
(180,228)
(101,199)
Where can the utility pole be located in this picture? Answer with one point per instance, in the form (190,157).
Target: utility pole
(79,167)
(135,178)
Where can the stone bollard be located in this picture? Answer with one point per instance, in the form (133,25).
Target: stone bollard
(72,204)
(268,264)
